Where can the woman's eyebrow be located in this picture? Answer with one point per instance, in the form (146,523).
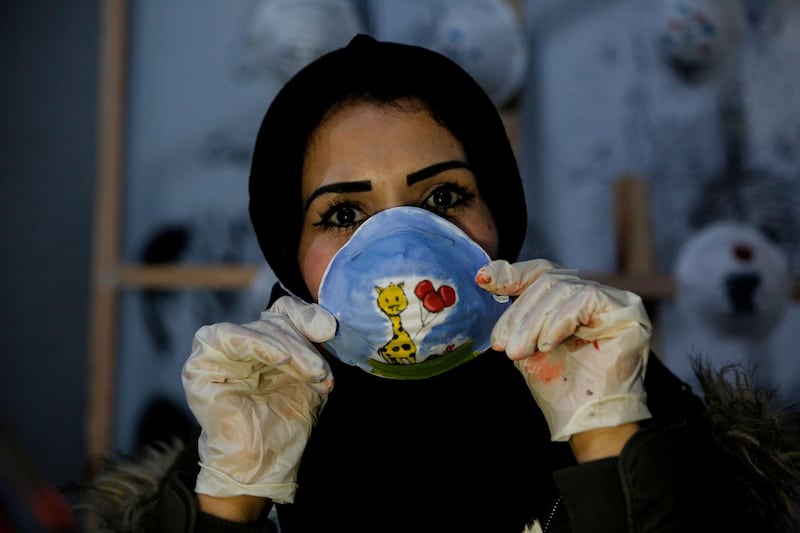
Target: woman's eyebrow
(344,186)
(434,169)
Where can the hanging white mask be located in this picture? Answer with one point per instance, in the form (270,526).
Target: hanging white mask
(404,294)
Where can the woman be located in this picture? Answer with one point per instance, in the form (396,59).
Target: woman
(565,423)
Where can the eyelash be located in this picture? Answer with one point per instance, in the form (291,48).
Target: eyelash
(464,198)
(334,208)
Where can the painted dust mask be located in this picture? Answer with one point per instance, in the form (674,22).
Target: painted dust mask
(404,294)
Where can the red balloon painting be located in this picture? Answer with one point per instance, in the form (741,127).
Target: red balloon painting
(434,300)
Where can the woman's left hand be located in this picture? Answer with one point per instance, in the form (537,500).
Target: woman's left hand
(581,346)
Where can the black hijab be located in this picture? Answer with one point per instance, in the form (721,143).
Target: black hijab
(367,69)
(464,451)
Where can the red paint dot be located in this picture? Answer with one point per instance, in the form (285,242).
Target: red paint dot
(742,252)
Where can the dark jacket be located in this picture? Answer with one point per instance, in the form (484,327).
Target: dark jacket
(466,452)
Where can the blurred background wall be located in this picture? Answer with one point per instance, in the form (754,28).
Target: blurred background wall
(48,61)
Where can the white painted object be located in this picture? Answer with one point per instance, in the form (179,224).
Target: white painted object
(283,36)
(733,281)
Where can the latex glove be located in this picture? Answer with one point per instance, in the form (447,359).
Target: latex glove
(581,346)
(256,390)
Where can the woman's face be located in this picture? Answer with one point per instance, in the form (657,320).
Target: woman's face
(365,158)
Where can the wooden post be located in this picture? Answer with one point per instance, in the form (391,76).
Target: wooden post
(105,260)
(636,255)
(634,234)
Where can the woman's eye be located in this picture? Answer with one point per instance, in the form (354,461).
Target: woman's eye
(446,197)
(341,216)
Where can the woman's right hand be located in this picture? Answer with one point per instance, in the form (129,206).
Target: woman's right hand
(256,390)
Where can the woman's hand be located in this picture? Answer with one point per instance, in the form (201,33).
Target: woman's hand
(256,390)
(581,346)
